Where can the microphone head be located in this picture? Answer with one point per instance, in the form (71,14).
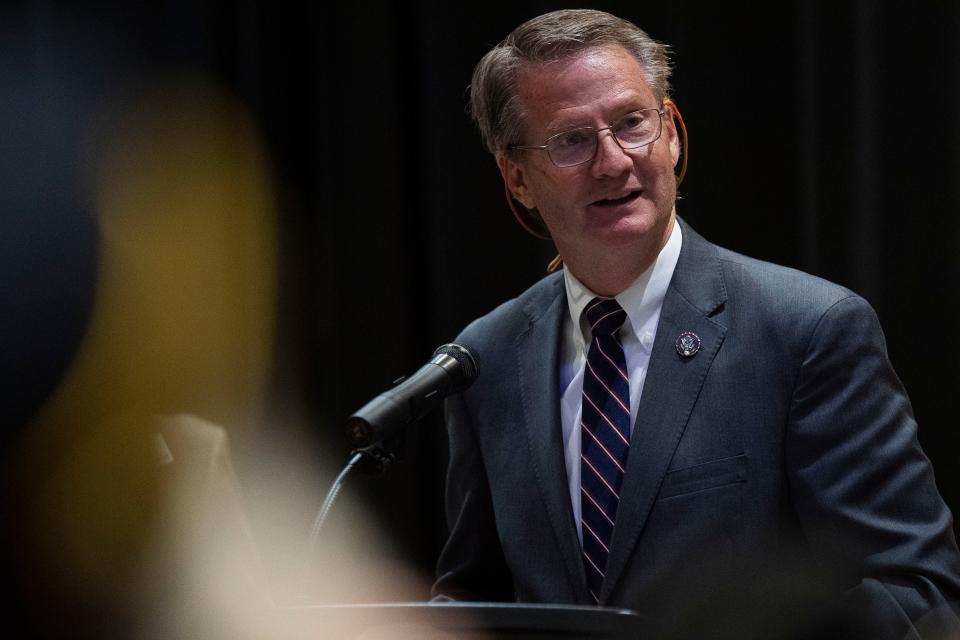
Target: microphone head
(469,363)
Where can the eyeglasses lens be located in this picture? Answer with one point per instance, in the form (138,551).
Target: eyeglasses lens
(579,145)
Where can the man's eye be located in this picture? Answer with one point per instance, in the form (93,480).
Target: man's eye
(573,138)
(632,121)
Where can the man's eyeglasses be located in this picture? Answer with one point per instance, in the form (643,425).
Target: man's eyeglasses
(576,146)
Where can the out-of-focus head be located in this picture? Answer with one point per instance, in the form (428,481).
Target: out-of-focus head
(495,102)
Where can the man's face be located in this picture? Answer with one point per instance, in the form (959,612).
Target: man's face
(618,199)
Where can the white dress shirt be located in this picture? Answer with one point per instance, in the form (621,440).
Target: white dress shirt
(642,301)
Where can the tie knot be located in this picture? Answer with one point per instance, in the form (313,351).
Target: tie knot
(605,316)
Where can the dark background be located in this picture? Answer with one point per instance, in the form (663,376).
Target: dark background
(824,136)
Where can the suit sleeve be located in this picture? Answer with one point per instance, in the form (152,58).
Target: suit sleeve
(862,486)
(472,565)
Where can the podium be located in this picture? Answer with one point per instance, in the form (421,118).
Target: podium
(471,621)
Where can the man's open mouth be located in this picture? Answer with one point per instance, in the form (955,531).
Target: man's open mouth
(612,202)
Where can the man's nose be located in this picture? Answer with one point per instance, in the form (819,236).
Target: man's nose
(611,159)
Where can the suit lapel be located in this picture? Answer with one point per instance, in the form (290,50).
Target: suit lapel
(670,391)
(537,366)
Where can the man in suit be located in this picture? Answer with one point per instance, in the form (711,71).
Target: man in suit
(665,425)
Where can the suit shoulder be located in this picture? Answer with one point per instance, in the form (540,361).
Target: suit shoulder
(512,317)
(779,287)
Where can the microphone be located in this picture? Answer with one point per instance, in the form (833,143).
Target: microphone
(452,369)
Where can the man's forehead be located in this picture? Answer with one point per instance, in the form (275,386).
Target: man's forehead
(606,77)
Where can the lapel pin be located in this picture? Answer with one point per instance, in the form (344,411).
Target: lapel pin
(688,343)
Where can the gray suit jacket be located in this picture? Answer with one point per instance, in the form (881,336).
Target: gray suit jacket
(785,447)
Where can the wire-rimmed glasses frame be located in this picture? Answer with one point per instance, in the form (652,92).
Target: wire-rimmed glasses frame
(579,145)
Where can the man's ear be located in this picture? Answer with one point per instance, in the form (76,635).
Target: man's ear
(670,129)
(514,176)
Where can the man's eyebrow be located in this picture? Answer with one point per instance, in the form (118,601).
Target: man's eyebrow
(631,102)
(562,126)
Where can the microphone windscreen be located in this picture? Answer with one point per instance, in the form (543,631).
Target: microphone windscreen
(467,359)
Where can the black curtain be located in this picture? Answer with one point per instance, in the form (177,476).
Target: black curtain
(823,136)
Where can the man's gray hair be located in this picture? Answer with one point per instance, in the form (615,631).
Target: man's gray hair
(494,99)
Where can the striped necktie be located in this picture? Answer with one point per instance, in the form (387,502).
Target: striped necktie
(605,436)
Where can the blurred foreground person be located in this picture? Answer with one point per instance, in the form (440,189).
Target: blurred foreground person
(122,515)
(715,442)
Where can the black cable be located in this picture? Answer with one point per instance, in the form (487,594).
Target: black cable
(325,509)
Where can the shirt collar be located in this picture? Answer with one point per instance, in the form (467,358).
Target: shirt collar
(642,300)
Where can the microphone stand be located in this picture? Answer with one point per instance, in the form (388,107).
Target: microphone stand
(380,423)
(372,460)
